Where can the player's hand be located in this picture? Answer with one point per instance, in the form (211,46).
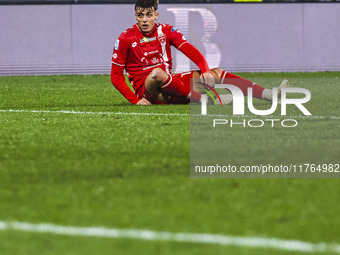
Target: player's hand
(143,101)
(208,79)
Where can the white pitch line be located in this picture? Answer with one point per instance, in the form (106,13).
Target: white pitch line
(96,113)
(252,242)
(167,114)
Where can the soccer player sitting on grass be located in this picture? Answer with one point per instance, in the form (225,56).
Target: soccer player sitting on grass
(144,52)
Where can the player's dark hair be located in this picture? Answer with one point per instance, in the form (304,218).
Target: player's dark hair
(146,4)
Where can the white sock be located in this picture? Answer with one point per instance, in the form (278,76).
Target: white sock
(267,94)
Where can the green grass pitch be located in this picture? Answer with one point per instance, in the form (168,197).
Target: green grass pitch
(114,168)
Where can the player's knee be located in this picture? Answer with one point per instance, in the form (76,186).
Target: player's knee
(154,80)
(216,72)
(149,86)
(158,75)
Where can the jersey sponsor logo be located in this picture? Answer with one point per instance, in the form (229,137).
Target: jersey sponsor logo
(134,44)
(151,52)
(147,39)
(145,60)
(162,38)
(155,60)
(152,60)
(117,45)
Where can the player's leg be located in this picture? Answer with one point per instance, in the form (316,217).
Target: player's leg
(198,87)
(154,81)
(193,79)
(224,77)
(161,86)
(188,79)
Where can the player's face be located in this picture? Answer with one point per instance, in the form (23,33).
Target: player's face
(146,19)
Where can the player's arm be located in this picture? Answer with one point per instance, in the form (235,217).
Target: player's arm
(197,57)
(119,57)
(178,40)
(118,80)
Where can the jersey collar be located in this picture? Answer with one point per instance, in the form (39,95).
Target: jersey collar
(151,32)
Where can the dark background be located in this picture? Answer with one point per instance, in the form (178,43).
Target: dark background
(162,1)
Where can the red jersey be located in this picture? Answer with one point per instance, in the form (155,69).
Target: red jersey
(140,53)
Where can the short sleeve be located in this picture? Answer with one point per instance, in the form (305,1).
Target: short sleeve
(120,51)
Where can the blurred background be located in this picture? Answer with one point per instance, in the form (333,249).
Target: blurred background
(77,37)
